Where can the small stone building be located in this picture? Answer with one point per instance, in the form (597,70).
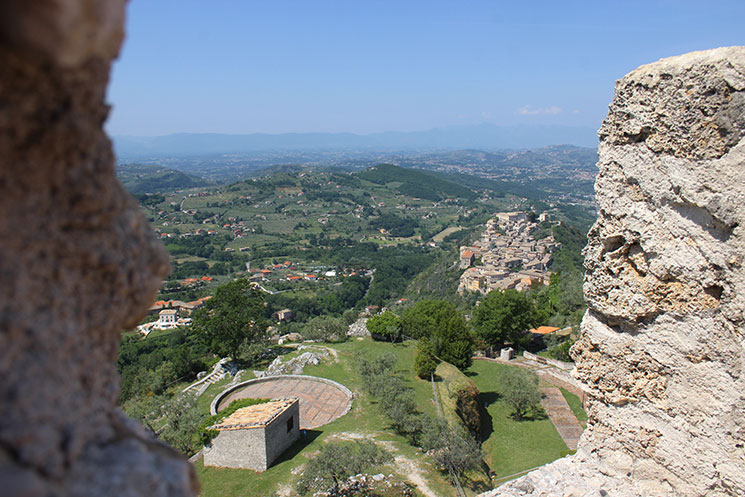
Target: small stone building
(255,436)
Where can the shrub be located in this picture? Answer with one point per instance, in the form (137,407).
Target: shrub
(521,391)
(325,328)
(386,326)
(338,461)
(467,407)
(425,362)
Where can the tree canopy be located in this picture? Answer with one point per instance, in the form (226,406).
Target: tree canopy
(520,390)
(504,317)
(326,328)
(235,314)
(422,320)
(386,325)
(338,461)
(445,328)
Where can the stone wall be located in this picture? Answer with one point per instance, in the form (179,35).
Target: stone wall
(662,349)
(78,264)
(278,438)
(254,448)
(245,449)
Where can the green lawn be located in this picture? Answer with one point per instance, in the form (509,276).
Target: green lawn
(364,418)
(512,446)
(575,404)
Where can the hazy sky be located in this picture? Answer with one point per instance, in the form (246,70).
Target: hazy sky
(242,66)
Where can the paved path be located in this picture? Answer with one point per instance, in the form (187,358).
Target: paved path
(561,416)
(320,403)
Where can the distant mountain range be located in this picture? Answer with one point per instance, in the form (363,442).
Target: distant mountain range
(483,136)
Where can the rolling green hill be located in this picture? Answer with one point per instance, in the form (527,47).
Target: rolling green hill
(415,182)
(141,178)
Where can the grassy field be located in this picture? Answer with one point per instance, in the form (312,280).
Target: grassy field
(447,231)
(364,420)
(510,446)
(575,404)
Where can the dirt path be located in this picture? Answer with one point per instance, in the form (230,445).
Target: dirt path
(405,466)
(413,474)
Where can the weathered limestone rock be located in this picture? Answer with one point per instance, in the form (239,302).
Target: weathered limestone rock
(663,343)
(358,328)
(78,264)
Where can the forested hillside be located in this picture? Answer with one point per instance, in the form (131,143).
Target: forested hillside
(416,183)
(141,178)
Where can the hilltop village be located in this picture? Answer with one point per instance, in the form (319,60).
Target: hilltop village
(510,257)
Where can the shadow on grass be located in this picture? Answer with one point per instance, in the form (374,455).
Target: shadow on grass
(479,486)
(298,446)
(537,414)
(487,423)
(470,373)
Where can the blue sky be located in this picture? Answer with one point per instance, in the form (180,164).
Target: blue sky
(275,66)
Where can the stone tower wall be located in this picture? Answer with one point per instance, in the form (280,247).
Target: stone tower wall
(662,349)
(663,343)
(78,264)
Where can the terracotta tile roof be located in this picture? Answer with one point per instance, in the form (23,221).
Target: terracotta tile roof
(544,330)
(256,416)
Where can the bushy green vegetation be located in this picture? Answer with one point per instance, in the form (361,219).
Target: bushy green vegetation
(148,366)
(454,448)
(560,351)
(326,329)
(503,317)
(338,461)
(396,225)
(330,301)
(444,328)
(521,391)
(235,315)
(425,363)
(385,326)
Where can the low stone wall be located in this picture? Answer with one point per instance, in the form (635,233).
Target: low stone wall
(566,366)
(219,398)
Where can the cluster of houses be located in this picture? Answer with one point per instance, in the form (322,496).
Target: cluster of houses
(287,271)
(510,256)
(171,314)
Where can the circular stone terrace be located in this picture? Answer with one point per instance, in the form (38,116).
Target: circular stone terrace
(321,400)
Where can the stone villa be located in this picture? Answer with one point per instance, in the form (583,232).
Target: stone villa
(255,436)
